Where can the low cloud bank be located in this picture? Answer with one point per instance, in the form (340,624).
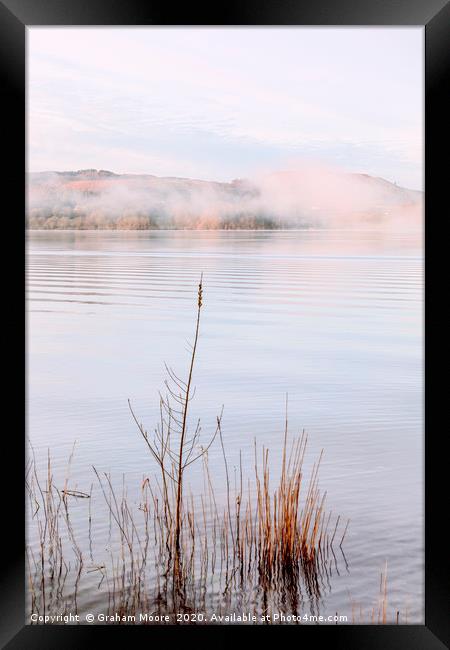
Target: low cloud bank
(308,197)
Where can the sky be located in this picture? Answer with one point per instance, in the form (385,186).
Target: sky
(226,103)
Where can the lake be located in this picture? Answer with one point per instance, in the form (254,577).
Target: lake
(333,319)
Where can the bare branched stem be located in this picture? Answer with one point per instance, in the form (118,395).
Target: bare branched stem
(184,426)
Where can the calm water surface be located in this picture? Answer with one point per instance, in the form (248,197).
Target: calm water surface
(332,318)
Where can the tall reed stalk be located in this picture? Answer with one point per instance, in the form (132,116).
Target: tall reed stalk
(173,456)
(185,405)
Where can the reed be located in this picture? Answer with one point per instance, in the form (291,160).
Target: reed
(379,613)
(175,449)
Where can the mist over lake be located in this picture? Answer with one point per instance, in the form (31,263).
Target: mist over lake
(307,196)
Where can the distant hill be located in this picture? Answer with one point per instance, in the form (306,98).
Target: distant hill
(100,199)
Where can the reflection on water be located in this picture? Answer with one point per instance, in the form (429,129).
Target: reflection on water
(332,318)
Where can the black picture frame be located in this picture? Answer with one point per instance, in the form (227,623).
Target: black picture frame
(15,16)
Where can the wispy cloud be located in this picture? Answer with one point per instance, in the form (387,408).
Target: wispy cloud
(222,103)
